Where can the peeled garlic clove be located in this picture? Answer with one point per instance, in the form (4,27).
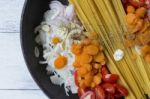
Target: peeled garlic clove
(118,55)
(69,12)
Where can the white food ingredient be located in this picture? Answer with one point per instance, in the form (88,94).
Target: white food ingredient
(118,55)
(45,28)
(60,21)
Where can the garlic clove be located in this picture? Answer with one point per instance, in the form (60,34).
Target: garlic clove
(118,55)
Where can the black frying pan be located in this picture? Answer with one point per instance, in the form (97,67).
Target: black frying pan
(31,17)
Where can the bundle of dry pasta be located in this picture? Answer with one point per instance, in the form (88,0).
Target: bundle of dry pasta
(107,19)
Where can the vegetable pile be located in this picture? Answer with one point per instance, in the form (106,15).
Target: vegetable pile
(92,77)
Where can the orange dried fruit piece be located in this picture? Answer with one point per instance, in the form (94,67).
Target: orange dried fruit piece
(82,85)
(88,78)
(91,49)
(86,41)
(95,42)
(130,9)
(145,37)
(147,58)
(88,66)
(60,62)
(76,64)
(92,35)
(140,12)
(145,50)
(93,84)
(76,48)
(145,26)
(131,18)
(82,71)
(56,40)
(99,58)
(97,79)
(85,58)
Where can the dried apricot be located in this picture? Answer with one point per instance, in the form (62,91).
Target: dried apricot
(99,57)
(145,50)
(131,18)
(140,12)
(147,58)
(88,79)
(97,79)
(82,71)
(91,49)
(85,58)
(88,66)
(93,84)
(130,9)
(76,48)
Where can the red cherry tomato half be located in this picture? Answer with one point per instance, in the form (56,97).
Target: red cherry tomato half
(109,88)
(99,93)
(110,96)
(104,71)
(147,2)
(118,96)
(110,78)
(124,1)
(121,89)
(80,92)
(75,78)
(89,95)
(137,3)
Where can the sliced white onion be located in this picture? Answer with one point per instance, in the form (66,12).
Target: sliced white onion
(56,80)
(69,12)
(36,52)
(45,28)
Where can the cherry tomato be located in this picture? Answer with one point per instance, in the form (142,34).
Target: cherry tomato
(80,92)
(110,78)
(104,71)
(121,89)
(118,96)
(109,88)
(75,78)
(110,96)
(124,1)
(147,2)
(136,3)
(89,94)
(99,93)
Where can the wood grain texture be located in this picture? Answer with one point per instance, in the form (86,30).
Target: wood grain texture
(10,15)
(18,94)
(13,71)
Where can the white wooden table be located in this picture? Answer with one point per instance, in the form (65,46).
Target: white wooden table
(15,80)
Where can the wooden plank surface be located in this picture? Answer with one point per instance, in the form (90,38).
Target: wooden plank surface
(13,71)
(21,94)
(15,80)
(10,15)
